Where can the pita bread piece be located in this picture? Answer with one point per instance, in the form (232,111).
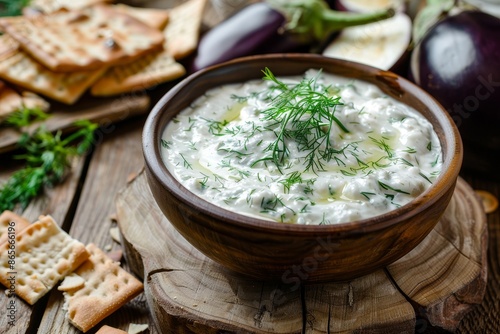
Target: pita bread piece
(91,38)
(182,32)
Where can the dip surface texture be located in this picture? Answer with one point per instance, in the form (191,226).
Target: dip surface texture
(317,149)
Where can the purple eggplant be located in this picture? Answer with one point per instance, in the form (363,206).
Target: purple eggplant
(458,62)
(275,26)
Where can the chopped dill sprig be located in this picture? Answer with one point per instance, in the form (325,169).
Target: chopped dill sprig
(290,180)
(47,157)
(166,143)
(303,113)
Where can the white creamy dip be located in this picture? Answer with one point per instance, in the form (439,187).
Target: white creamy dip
(318,149)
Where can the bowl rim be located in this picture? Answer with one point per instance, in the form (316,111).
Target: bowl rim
(452,158)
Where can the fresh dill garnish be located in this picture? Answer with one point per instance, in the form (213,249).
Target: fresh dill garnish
(203,182)
(215,127)
(382,144)
(230,199)
(425,177)
(48,157)
(290,180)
(25,116)
(410,150)
(367,194)
(303,113)
(250,197)
(436,161)
(185,163)
(388,187)
(324,221)
(238,173)
(165,143)
(272,204)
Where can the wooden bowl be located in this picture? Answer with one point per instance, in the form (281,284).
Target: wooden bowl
(289,252)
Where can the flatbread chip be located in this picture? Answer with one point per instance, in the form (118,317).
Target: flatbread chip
(22,70)
(11,224)
(44,254)
(110,330)
(182,32)
(107,288)
(144,73)
(50,6)
(86,39)
(153,17)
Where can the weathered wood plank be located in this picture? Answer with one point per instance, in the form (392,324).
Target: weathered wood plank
(119,155)
(188,293)
(202,296)
(446,273)
(370,302)
(485,318)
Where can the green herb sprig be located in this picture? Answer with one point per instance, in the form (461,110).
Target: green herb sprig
(48,157)
(304,113)
(25,116)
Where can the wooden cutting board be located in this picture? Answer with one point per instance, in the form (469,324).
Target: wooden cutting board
(436,284)
(104,111)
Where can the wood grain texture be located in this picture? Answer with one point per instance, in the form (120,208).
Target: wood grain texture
(446,273)
(57,202)
(188,293)
(113,161)
(485,318)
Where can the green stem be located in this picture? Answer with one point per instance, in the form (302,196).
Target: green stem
(312,21)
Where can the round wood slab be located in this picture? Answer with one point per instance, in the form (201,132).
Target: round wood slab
(437,282)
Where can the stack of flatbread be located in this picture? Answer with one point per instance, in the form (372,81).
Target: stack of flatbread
(62,49)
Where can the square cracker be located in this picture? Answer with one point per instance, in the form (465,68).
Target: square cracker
(44,254)
(8,46)
(91,38)
(182,32)
(153,17)
(141,74)
(107,288)
(6,219)
(24,71)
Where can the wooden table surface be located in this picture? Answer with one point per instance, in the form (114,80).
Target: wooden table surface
(84,206)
